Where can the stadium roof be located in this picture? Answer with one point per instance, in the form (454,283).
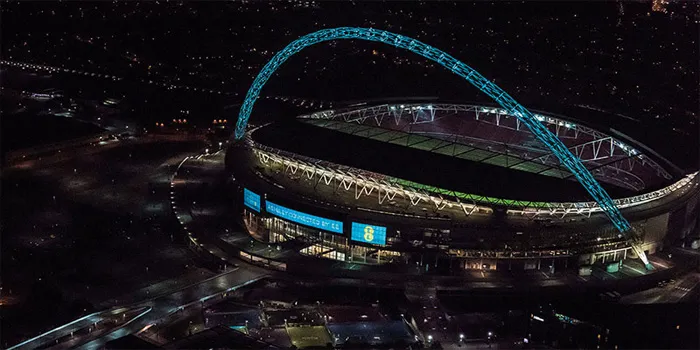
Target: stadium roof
(421,166)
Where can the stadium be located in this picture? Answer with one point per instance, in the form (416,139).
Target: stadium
(452,186)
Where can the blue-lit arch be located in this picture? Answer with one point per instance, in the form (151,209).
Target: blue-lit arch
(455,66)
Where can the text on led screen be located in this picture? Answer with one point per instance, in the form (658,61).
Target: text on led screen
(303,218)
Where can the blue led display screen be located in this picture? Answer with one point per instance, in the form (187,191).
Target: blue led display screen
(303,218)
(368,233)
(251,199)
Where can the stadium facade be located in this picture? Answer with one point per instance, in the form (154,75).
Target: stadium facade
(453,186)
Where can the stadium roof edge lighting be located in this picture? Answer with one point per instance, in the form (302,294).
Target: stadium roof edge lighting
(327,170)
(558,148)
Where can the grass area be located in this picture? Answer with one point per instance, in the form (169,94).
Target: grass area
(309,336)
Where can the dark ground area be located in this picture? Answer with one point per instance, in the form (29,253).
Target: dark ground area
(85,230)
(24,130)
(641,326)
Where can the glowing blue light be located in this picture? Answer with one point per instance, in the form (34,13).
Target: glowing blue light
(303,218)
(251,199)
(571,162)
(368,233)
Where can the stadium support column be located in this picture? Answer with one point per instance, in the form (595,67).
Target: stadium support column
(640,253)
(636,243)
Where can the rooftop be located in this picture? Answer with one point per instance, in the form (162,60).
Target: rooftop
(422,166)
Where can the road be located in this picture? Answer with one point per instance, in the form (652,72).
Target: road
(159,306)
(676,292)
(195,296)
(59,332)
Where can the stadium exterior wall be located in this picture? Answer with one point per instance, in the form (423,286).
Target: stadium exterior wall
(489,238)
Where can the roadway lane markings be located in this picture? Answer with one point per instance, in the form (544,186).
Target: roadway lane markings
(68,324)
(641,273)
(658,264)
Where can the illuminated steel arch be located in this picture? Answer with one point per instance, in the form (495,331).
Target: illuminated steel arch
(455,66)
